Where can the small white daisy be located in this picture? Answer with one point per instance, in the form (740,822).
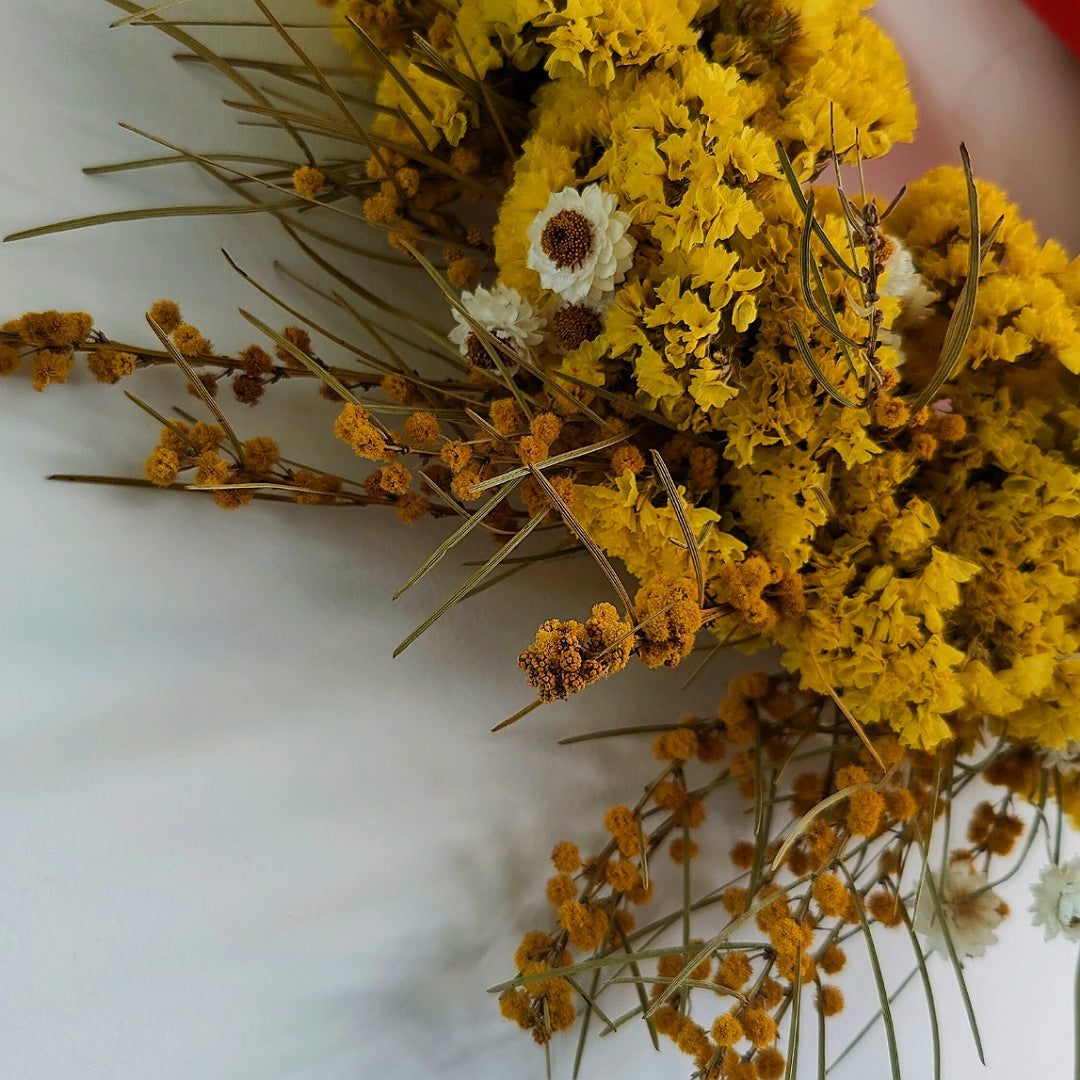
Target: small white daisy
(1057,900)
(903,280)
(972,911)
(506,314)
(1066,760)
(579,246)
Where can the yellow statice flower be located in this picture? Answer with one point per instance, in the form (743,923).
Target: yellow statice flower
(592,38)
(775,502)
(868,106)
(1026,306)
(870,641)
(648,539)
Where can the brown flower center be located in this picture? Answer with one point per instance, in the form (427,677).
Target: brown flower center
(567,239)
(576,324)
(477,355)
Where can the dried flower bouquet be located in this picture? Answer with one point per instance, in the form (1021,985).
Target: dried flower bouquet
(679,336)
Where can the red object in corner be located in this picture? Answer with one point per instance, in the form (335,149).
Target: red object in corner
(1063,17)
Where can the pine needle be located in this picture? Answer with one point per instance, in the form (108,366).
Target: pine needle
(138,16)
(956,334)
(453,540)
(474,579)
(856,726)
(532,706)
(215,61)
(578,530)
(675,501)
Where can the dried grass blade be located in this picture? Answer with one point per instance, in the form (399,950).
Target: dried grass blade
(686,908)
(436,66)
(956,333)
(622,402)
(762,817)
(154,9)
(485,95)
(332,93)
(438,334)
(608,959)
(453,540)
(718,941)
(392,71)
(216,168)
(551,462)
(215,61)
(927,883)
(796,1014)
(894,202)
(179,159)
(609,733)
(590,998)
(397,78)
(473,580)
(821,1069)
(873,1021)
(353,249)
(533,705)
(803,823)
(846,712)
(586,1017)
(177,431)
(1055,854)
(492,345)
(807,265)
(299,315)
(427,60)
(796,189)
(676,502)
(245,24)
(643,1000)
(578,530)
(130,481)
(928,989)
(815,370)
(560,391)
(150,212)
(879,979)
(200,390)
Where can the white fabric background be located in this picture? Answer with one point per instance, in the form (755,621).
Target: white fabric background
(238,841)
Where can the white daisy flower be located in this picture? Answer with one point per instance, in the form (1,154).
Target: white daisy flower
(506,314)
(1066,760)
(972,911)
(1057,900)
(903,280)
(579,246)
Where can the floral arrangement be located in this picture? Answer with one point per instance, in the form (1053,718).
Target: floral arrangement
(681,338)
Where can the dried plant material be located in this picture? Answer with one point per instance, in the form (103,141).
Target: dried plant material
(650,324)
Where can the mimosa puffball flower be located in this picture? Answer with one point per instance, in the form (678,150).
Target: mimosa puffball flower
(579,246)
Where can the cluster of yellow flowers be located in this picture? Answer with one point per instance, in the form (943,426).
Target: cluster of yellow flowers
(649,260)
